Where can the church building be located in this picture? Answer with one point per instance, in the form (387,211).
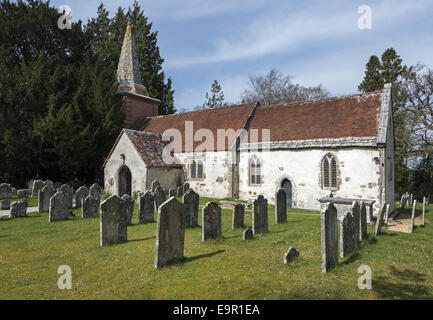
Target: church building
(341,145)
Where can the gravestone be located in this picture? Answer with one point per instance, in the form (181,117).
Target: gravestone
(113,223)
(412,217)
(159,197)
(19,209)
(238,216)
(280,206)
(14,191)
(68,193)
(30,185)
(411,199)
(191,202)
(363,222)
(155,184)
(145,207)
(260,215)
(386,217)
(379,221)
(49,183)
(290,255)
(95,191)
(423,210)
(5,204)
(185,187)
(89,207)
(44,196)
(329,237)
(179,191)
(170,232)
(172,193)
(211,221)
(5,191)
(129,207)
(81,194)
(22,193)
(347,234)
(59,207)
(247,234)
(37,185)
(356,214)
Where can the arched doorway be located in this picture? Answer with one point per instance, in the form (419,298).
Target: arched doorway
(124,181)
(287,186)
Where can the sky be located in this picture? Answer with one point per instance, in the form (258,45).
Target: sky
(316,42)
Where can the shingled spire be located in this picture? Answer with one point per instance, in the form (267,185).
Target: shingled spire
(128,73)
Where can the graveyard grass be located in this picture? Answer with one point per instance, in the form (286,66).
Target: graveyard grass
(32,249)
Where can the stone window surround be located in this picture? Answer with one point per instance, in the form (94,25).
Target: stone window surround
(189,167)
(249,171)
(322,176)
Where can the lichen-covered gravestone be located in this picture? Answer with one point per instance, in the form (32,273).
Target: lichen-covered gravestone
(347,234)
(129,207)
(113,224)
(22,193)
(260,215)
(89,207)
(159,197)
(5,191)
(412,217)
(59,207)
(280,206)
(211,221)
(247,234)
(44,196)
(356,222)
(37,185)
(95,191)
(185,187)
(329,237)
(155,184)
(291,254)
(170,232)
(145,207)
(19,209)
(68,192)
(172,193)
(363,221)
(379,221)
(238,216)
(81,194)
(191,201)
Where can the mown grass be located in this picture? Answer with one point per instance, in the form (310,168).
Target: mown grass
(32,249)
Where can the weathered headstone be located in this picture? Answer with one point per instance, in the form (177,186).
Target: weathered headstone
(363,222)
(347,234)
(68,193)
(5,204)
(49,183)
(37,185)
(95,191)
(411,199)
(89,207)
(19,208)
(14,191)
(22,193)
(145,207)
(129,208)
(423,210)
(159,197)
(185,187)
(5,191)
(172,193)
(59,207)
(356,214)
(370,214)
(280,206)
(386,217)
(412,217)
(191,201)
(44,196)
(113,224)
(179,191)
(238,216)
(329,237)
(247,234)
(30,185)
(81,194)
(170,232)
(155,184)
(291,254)
(379,221)
(260,215)
(211,221)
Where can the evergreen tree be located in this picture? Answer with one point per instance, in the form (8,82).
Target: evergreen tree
(373,79)
(215,98)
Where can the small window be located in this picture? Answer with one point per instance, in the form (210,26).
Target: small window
(329,172)
(255,171)
(197,169)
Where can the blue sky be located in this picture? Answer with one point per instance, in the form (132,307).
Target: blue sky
(317,42)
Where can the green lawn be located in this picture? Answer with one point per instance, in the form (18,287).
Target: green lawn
(31,250)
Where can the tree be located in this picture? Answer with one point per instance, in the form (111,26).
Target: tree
(274,88)
(373,79)
(216,97)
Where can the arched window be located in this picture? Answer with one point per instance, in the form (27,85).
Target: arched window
(329,172)
(197,169)
(255,171)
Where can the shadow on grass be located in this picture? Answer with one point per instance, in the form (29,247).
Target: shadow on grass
(142,239)
(200,256)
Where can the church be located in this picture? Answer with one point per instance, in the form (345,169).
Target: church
(341,145)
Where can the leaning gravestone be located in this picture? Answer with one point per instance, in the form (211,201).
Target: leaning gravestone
(347,234)
(171,193)
(68,193)
(291,254)
(155,184)
(260,215)
(113,223)
(356,222)
(247,234)
(191,201)
(5,191)
(145,207)
(280,206)
(129,207)
(412,217)
(185,187)
(379,221)
(59,207)
(211,221)
(19,209)
(44,196)
(89,207)
(179,191)
(22,193)
(95,191)
(81,194)
(5,204)
(159,197)
(37,185)
(363,222)
(238,216)
(170,232)
(329,237)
